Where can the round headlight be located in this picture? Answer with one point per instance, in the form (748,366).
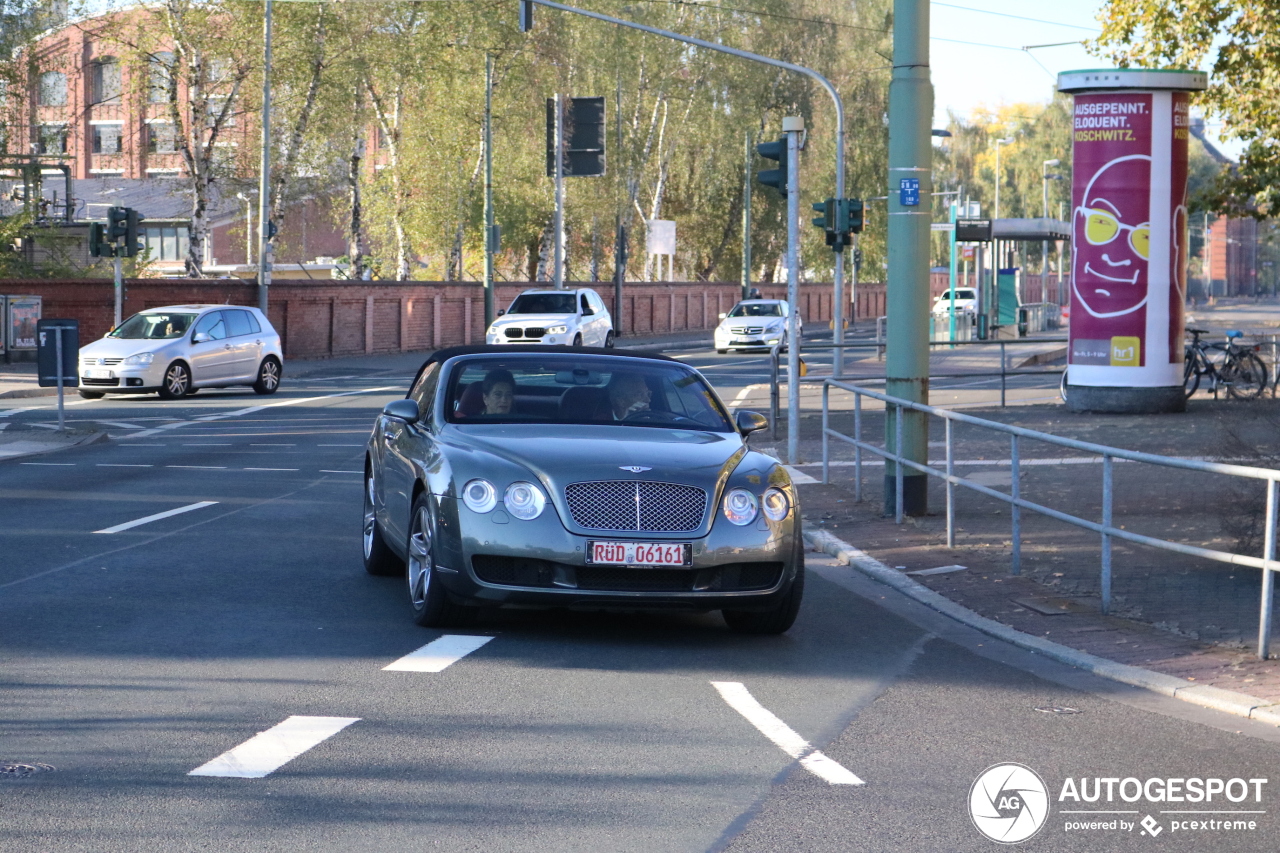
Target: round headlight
(479,495)
(524,500)
(776,504)
(740,506)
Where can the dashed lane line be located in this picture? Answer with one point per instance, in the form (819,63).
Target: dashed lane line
(323,471)
(438,654)
(146,433)
(267,751)
(783,736)
(122,465)
(200,467)
(137,522)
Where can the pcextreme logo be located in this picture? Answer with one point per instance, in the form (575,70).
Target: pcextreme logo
(1009,803)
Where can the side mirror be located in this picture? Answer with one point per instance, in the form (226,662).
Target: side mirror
(502,311)
(401,410)
(749,422)
(200,337)
(723,315)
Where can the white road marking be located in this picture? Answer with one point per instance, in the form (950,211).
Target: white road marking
(323,471)
(200,467)
(339,445)
(51,464)
(438,654)
(212,444)
(744,393)
(120,424)
(142,445)
(267,751)
(741,700)
(273,445)
(121,465)
(159,515)
(146,433)
(271,469)
(799,477)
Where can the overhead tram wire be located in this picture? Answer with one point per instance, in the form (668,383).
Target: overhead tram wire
(1015,17)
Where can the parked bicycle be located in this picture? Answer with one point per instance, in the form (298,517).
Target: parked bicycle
(1236,367)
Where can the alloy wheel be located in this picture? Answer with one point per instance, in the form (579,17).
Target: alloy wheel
(177,381)
(269,375)
(420,560)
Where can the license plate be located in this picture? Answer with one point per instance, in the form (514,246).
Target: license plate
(99,373)
(639,553)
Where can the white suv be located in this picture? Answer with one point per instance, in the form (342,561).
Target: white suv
(181,348)
(565,317)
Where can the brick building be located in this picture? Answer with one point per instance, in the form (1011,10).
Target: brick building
(98,103)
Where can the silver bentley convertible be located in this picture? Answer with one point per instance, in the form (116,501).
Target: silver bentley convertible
(580,478)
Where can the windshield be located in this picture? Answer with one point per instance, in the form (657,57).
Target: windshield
(960,294)
(583,390)
(154,327)
(759,309)
(543,303)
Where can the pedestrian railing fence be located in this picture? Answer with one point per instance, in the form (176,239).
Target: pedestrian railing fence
(894,407)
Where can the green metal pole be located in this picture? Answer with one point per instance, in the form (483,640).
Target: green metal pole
(952,236)
(910,157)
(746,220)
(489,246)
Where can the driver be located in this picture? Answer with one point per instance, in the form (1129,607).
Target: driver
(628,393)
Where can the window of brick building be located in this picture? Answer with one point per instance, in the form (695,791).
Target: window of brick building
(53,89)
(161,138)
(106,138)
(105,80)
(51,139)
(166,243)
(161,65)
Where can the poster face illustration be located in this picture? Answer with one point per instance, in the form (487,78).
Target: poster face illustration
(1128,247)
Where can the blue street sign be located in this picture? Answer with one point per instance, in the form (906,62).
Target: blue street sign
(909,192)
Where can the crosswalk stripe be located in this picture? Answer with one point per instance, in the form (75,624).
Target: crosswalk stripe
(272,749)
(436,655)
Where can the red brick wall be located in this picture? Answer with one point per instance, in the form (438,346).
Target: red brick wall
(317,319)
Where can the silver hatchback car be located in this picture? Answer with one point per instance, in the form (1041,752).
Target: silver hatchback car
(177,349)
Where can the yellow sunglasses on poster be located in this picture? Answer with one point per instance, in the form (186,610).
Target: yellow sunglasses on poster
(1101,227)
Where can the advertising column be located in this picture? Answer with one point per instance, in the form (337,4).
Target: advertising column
(1129,238)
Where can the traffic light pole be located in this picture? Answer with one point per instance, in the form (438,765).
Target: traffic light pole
(119,312)
(264,178)
(746,221)
(558,226)
(489,247)
(910,159)
(793,128)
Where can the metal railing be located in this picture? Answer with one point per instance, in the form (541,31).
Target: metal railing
(1038,316)
(775,378)
(896,405)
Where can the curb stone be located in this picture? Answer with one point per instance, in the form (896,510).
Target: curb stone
(1240,704)
(91,438)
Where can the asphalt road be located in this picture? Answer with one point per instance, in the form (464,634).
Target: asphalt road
(132,658)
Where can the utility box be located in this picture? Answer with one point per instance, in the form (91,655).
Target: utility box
(21,314)
(58,352)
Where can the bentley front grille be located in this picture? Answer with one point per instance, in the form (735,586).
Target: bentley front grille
(636,506)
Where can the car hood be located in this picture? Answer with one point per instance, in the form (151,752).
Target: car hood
(534,320)
(558,456)
(123,348)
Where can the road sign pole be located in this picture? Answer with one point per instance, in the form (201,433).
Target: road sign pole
(952,238)
(489,248)
(746,220)
(264,177)
(910,180)
(793,127)
(57,339)
(558,227)
(119,309)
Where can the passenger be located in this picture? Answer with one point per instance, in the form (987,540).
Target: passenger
(499,388)
(628,393)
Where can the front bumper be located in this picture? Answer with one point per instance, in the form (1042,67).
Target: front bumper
(732,341)
(541,563)
(549,340)
(122,379)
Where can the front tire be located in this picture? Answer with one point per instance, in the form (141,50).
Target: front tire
(177,382)
(608,340)
(577,340)
(722,351)
(379,559)
(1190,376)
(427,596)
(91,395)
(268,376)
(775,621)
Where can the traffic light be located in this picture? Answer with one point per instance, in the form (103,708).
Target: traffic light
(131,245)
(526,16)
(776,178)
(99,245)
(827,208)
(117,224)
(853,213)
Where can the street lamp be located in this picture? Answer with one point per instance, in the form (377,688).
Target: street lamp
(1006,141)
(1045,177)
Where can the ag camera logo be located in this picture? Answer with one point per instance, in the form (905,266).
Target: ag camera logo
(1008,803)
